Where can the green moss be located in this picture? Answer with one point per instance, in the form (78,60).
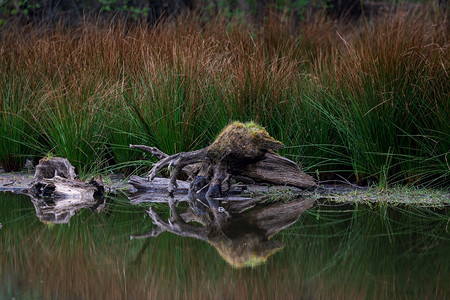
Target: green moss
(252,126)
(397,195)
(242,141)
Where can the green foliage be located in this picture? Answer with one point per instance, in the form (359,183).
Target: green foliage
(298,6)
(126,6)
(23,8)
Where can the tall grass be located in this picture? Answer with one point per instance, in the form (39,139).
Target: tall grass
(367,100)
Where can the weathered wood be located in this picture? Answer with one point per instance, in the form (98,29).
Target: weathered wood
(243,150)
(158,197)
(55,177)
(189,170)
(55,166)
(157,184)
(155,197)
(276,169)
(272,168)
(177,162)
(155,191)
(59,187)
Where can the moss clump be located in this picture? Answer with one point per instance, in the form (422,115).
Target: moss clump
(242,142)
(252,126)
(396,195)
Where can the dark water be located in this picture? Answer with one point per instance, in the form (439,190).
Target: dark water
(345,252)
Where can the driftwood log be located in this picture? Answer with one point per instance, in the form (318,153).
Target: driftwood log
(241,151)
(55,177)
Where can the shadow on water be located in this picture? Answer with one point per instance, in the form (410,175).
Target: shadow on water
(349,251)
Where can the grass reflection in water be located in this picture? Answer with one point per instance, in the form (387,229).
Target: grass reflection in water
(331,252)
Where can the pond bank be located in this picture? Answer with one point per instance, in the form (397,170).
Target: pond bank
(18,182)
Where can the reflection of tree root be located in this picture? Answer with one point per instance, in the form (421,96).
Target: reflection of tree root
(241,150)
(243,239)
(177,226)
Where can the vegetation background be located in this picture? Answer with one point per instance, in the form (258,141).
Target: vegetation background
(153,10)
(354,89)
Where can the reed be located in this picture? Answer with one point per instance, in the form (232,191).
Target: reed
(367,101)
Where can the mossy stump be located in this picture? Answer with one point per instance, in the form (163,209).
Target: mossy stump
(244,151)
(242,143)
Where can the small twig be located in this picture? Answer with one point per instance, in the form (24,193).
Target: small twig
(203,188)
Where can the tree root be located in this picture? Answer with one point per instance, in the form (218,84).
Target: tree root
(241,150)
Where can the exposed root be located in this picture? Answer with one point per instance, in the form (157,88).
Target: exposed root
(177,162)
(153,150)
(244,150)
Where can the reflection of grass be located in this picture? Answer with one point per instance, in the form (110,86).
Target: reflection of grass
(380,252)
(332,252)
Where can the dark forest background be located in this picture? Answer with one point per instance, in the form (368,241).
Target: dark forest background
(153,10)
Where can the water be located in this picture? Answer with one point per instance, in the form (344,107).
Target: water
(348,252)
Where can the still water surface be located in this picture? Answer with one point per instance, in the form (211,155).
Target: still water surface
(345,252)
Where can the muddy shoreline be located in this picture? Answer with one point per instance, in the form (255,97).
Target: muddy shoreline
(19,183)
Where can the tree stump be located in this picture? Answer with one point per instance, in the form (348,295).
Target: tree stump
(242,150)
(54,166)
(56,178)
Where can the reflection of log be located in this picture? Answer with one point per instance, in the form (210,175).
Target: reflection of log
(245,239)
(275,217)
(59,211)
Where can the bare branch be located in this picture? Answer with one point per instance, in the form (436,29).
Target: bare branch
(153,150)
